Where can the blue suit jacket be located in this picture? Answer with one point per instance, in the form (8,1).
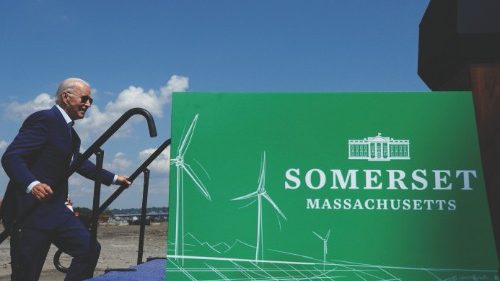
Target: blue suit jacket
(42,150)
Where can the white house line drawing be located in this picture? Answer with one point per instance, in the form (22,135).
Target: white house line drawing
(379,148)
(181,168)
(261,193)
(325,246)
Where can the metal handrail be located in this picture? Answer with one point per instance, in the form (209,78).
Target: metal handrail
(143,168)
(134,175)
(142,222)
(83,157)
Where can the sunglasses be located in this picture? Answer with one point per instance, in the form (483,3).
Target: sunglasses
(85,99)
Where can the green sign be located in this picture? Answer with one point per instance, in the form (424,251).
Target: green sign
(320,186)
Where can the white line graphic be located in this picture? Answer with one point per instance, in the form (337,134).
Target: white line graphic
(291,266)
(247,269)
(261,193)
(181,168)
(325,246)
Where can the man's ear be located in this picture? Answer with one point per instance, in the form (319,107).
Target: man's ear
(66,98)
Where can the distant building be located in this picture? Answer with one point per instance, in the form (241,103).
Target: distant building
(133,218)
(379,148)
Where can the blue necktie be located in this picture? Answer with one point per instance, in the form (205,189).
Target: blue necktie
(70,125)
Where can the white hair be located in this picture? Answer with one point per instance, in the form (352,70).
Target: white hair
(67,86)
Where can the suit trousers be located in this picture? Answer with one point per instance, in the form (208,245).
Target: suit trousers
(29,247)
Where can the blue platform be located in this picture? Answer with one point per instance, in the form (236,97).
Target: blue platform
(151,271)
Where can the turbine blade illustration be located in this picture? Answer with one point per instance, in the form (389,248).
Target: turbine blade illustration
(196,180)
(181,168)
(259,193)
(325,246)
(318,235)
(274,205)
(250,195)
(187,138)
(250,203)
(262,173)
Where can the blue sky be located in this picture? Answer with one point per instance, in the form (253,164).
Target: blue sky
(136,53)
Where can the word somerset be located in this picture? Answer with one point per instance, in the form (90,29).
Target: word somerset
(391,180)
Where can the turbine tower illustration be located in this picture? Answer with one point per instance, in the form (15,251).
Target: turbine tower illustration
(325,246)
(261,194)
(183,168)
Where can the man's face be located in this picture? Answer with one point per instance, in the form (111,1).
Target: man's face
(78,102)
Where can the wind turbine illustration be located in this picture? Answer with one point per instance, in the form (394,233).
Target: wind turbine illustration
(325,246)
(183,168)
(261,194)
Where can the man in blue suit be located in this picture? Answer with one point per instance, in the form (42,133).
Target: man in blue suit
(37,162)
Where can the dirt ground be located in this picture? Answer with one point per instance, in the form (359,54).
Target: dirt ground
(119,250)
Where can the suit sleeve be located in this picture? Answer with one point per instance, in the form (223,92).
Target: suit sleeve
(24,148)
(89,170)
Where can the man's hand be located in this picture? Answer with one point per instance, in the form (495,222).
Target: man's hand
(122,180)
(42,192)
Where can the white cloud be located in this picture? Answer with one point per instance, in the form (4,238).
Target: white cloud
(136,97)
(3,146)
(78,181)
(120,163)
(161,164)
(154,101)
(16,110)
(3,177)
(175,84)
(97,120)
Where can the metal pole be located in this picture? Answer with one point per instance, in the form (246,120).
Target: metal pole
(95,206)
(143,216)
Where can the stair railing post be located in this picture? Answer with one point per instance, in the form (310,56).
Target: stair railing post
(143,215)
(97,198)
